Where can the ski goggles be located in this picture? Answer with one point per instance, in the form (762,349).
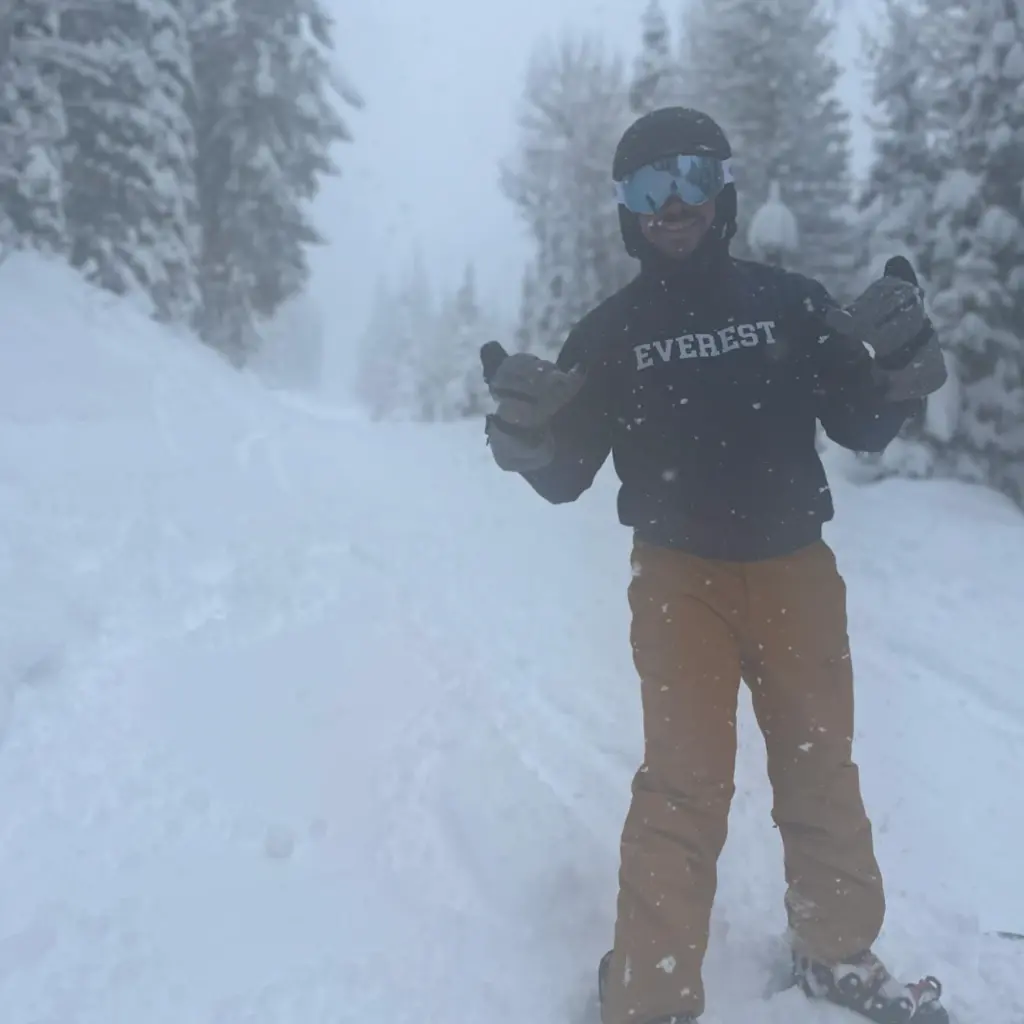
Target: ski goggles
(693,179)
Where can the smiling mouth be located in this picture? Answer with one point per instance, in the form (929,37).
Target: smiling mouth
(676,221)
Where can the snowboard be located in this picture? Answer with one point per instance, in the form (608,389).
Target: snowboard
(779,985)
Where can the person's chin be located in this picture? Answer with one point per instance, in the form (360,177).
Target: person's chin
(678,248)
(679,237)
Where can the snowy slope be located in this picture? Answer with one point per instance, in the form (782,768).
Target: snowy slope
(313,721)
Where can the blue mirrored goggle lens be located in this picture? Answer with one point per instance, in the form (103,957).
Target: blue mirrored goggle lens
(693,179)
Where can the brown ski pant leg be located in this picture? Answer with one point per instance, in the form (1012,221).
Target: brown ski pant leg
(801,681)
(695,623)
(685,648)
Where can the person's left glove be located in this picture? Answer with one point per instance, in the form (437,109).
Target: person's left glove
(890,318)
(529,392)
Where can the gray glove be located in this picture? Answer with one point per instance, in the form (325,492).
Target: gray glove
(529,391)
(889,317)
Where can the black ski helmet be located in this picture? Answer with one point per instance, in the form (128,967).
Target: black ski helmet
(667,132)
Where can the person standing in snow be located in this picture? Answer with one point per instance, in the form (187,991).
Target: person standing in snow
(704,378)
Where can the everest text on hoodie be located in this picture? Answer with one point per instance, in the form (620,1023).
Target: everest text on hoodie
(694,346)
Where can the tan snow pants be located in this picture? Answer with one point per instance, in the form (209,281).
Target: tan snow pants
(698,627)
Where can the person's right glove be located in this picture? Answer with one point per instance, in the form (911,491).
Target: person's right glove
(889,316)
(529,391)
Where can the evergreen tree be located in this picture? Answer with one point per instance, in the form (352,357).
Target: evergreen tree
(894,203)
(401,374)
(464,329)
(909,60)
(129,154)
(773,235)
(976,248)
(32,128)
(264,129)
(419,359)
(774,92)
(526,333)
(657,77)
(575,110)
(171,231)
(378,365)
(426,366)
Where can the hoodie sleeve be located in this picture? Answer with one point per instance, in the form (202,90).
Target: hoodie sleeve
(852,407)
(582,429)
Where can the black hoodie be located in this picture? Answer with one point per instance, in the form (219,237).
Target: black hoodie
(705,380)
(705,384)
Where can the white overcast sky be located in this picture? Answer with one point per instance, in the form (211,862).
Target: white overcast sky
(442,81)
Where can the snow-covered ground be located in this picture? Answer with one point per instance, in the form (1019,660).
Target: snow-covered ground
(310,721)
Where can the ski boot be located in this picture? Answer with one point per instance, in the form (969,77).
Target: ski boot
(602,974)
(865,986)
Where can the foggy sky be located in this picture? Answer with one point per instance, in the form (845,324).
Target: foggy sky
(442,81)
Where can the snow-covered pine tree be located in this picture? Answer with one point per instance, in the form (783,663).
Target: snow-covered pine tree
(265,128)
(894,203)
(171,233)
(226,318)
(773,234)
(129,155)
(575,109)
(526,324)
(428,365)
(657,76)
(976,249)
(465,328)
(32,128)
(378,360)
(910,56)
(402,370)
(770,77)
